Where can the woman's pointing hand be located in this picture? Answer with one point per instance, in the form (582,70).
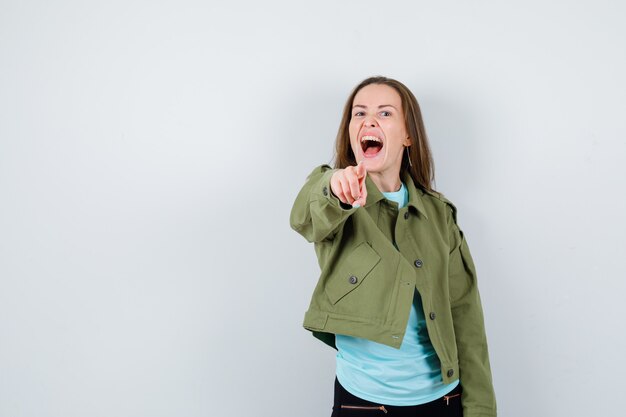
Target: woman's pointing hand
(349,185)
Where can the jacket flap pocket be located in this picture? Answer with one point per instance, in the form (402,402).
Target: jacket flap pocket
(352,271)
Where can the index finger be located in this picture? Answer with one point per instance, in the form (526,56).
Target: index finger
(363,189)
(360,170)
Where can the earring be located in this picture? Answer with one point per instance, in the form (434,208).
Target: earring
(408,156)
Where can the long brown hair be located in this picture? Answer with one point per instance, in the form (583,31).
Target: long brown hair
(421,168)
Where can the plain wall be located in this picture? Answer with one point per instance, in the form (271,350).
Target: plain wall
(150,153)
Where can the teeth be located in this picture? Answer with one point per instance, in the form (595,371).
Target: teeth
(373,138)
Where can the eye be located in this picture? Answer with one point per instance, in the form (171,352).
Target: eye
(385,113)
(359,113)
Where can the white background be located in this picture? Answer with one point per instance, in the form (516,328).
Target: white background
(150,152)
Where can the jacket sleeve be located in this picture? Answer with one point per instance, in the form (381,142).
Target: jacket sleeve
(317,214)
(478,396)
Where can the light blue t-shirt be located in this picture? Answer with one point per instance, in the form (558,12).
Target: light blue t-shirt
(379,373)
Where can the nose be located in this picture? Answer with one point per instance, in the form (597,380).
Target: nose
(369,121)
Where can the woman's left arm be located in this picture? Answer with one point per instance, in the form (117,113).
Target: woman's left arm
(475,371)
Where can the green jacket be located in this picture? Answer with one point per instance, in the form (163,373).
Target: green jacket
(366,285)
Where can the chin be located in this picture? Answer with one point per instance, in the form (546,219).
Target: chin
(373,164)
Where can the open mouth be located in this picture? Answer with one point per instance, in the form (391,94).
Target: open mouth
(371,145)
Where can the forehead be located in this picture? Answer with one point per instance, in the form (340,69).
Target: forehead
(377,94)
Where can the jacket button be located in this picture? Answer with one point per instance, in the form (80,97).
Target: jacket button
(406,215)
(353,279)
(325,190)
(418,263)
(450,373)
(432,315)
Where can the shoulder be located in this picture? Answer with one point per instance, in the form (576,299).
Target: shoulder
(319,171)
(439,199)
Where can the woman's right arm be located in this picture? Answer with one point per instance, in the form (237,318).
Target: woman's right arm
(317,214)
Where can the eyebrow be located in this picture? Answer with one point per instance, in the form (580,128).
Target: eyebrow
(380,107)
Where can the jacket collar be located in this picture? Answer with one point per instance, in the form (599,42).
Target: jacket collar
(415,194)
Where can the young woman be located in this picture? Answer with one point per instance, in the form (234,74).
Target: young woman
(397,295)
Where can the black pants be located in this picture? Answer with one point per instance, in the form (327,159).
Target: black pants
(347,405)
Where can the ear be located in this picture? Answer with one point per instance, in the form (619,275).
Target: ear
(407,141)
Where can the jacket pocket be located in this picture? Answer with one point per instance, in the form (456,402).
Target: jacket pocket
(351,272)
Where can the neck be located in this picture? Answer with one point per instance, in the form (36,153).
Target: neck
(386,184)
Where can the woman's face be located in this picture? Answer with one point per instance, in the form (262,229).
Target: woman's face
(377,130)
